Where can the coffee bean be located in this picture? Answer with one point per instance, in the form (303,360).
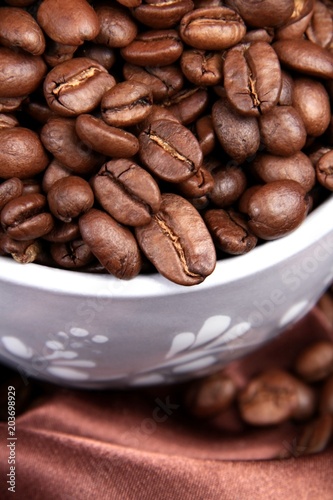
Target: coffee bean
(287,87)
(26,217)
(20,74)
(229,184)
(316,435)
(126,104)
(177,242)
(117,28)
(277,209)
(264,13)
(57,53)
(188,104)
(316,361)
(199,184)
(54,171)
(9,104)
(154,48)
(113,245)
(159,14)
(21,154)
(70,197)
(298,22)
(204,131)
(170,151)
(70,22)
(107,140)
(324,170)
(127,192)
(76,86)
(320,28)
(100,53)
(63,232)
(230,231)
(214,28)
(252,78)
(71,254)
(23,252)
(238,135)
(18,29)
(202,68)
(10,189)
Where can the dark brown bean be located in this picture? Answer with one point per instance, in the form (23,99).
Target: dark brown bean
(198,185)
(70,197)
(282,131)
(70,22)
(63,232)
(188,104)
(276,209)
(18,29)
(298,167)
(170,151)
(252,78)
(71,254)
(214,28)
(126,104)
(315,362)
(21,153)
(177,242)
(229,183)
(305,57)
(127,192)
(117,27)
(238,135)
(9,104)
(204,131)
(100,53)
(54,171)
(57,53)
(324,170)
(26,218)
(202,68)
(10,189)
(76,86)
(60,138)
(316,435)
(229,231)
(154,48)
(287,86)
(264,13)
(320,27)
(20,73)
(113,245)
(8,121)
(159,14)
(107,140)
(298,22)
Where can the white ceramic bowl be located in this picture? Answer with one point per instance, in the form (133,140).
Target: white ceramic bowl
(94,331)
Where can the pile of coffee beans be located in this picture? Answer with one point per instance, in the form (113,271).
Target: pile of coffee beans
(303,395)
(153,136)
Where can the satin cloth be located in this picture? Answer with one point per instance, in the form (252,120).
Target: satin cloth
(144,445)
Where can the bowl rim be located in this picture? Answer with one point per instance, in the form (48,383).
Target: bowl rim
(270,253)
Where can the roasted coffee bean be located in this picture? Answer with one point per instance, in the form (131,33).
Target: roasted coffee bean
(202,68)
(117,28)
(305,57)
(31,186)
(57,53)
(177,242)
(320,28)
(214,28)
(298,22)
(38,111)
(23,252)
(188,104)
(204,131)
(126,104)
(129,3)
(20,73)
(252,78)
(311,101)
(19,29)
(8,121)
(63,232)
(259,35)
(71,254)
(159,14)
(287,86)
(229,231)
(100,53)
(276,209)
(54,171)
(60,138)
(316,361)
(70,22)
(264,13)
(210,396)
(154,48)
(324,170)
(157,113)
(282,131)
(326,396)
(170,151)
(76,86)
(273,397)
(9,104)
(112,244)
(70,197)
(26,217)
(21,153)
(316,435)
(107,140)
(127,192)
(238,135)
(298,167)
(243,202)
(229,184)
(164,81)
(10,189)
(199,184)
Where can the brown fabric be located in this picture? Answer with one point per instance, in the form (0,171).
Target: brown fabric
(142,444)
